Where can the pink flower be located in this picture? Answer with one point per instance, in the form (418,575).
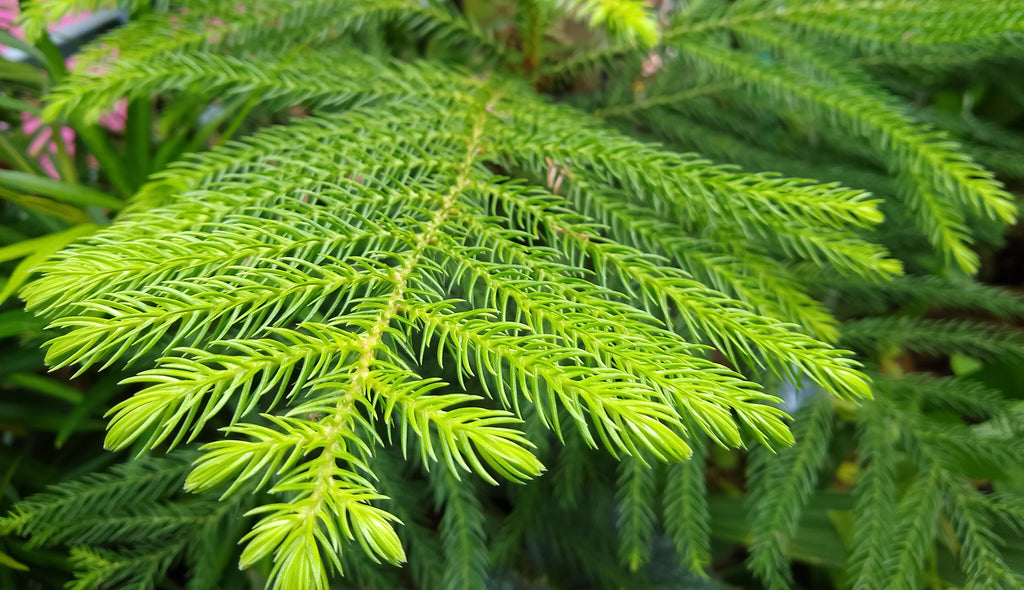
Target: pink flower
(42,147)
(9,15)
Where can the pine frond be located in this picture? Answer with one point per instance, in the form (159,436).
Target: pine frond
(635,497)
(905,28)
(303,535)
(980,556)
(464,433)
(622,409)
(783,490)
(630,21)
(312,78)
(462,532)
(133,527)
(221,26)
(834,94)
(789,234)
(543,141)
(945,292)
(440,262)
(870,27)
(685,511)
(875,507)
(342,244)
(189,390)
(896,436)
(674,288)
(126,527)
(808,245)
(933,336)
(135,569)
(965,396)
(916,521)
(753,278)
(261,310)
(45,517)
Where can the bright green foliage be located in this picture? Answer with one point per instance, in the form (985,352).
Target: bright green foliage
(795,58)
(438,261)
(630,21)
(369,289)
(383,278)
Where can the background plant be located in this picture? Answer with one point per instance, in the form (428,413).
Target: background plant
(443,277)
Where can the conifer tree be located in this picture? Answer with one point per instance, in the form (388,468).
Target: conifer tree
(470,282)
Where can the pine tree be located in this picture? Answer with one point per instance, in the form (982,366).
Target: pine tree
(456,272)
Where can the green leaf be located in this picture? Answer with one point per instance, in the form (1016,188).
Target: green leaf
(59,191)
(45,385)
(19,72)
(36,251)
(15,104)
(10,40)
(8,561)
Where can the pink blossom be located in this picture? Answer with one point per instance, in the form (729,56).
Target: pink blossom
(8,12)
(42,147)
(9,15)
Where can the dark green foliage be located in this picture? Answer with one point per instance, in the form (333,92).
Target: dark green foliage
(462,532)
(128,526)
(934,336)
(783,488)
(685,511)
(635,495)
